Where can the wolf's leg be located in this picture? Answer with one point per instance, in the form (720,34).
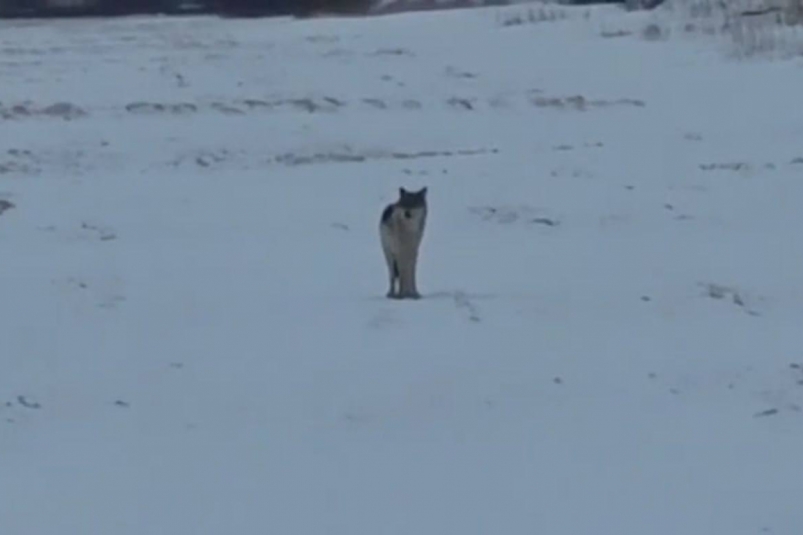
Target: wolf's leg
(413,269)
(404,275)
(413,289)
(393,275)
(387,250)
(407,275)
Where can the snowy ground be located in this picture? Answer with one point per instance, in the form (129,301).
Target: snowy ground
(194,337)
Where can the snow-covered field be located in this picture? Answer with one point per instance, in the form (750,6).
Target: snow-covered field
(194,337)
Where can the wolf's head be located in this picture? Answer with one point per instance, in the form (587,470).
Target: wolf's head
(412,199)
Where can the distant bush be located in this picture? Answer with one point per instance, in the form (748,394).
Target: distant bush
(291,7)
(254,7)
(788,12)
(752,27)
(311,7)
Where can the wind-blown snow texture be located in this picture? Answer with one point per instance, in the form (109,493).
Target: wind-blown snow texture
(194,337)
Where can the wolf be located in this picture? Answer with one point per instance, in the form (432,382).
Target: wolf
(401,230)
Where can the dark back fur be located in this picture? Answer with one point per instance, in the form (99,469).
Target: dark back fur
(387,213)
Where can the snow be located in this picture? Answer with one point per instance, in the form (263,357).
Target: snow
(194,337)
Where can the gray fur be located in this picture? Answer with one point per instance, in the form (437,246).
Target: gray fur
(401,229)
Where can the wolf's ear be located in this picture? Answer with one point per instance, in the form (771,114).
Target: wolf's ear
(423,191)
(402,192)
